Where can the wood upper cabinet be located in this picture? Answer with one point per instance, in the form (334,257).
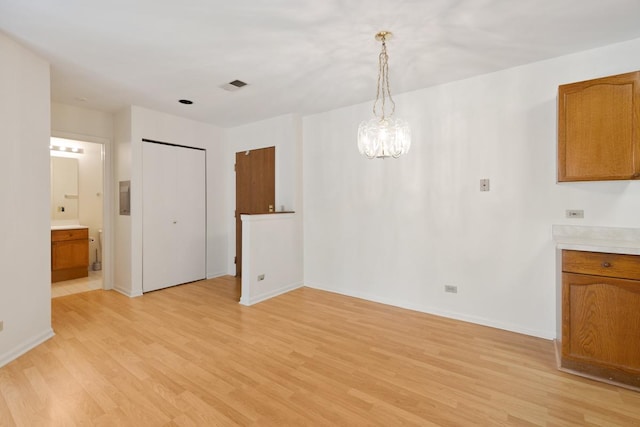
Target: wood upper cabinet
(601,315)
(598,126)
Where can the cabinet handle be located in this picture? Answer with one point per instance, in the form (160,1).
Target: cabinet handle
(606,264)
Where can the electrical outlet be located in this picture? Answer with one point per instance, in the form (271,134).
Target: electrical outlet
(260,277)
(575,213)
(452,289)
(484,184)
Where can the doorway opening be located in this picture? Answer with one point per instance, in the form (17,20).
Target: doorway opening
(78,210)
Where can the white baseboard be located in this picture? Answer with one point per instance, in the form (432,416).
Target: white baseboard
(216,275)
(127,293)
(25,347)
(259,298)
(549,335)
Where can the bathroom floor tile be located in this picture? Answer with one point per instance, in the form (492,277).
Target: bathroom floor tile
(76,286)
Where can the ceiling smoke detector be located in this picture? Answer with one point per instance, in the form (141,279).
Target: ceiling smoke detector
(234,85)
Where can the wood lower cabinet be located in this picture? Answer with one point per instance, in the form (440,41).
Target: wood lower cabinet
(599,129)
(69,254)
(601,315)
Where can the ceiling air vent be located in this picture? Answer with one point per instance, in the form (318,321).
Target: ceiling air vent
(234,85)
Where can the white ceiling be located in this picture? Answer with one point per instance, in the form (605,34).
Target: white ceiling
(298,56)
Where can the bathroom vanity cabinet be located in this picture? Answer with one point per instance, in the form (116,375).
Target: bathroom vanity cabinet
(69,254)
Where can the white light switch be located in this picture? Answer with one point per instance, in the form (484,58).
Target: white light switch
(484,184)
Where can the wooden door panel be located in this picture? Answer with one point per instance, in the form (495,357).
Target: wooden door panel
(601,320)
(597,118)
(597,122)
(255,189)
(70,254)
(263,178)
(243,195)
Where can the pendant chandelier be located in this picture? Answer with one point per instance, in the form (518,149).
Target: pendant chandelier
(383,136)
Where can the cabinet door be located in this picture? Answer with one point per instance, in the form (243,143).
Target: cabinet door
(598,129)
(174,216)
(69,254)
(601,321)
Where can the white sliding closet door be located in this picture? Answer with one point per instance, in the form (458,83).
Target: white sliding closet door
(173,215)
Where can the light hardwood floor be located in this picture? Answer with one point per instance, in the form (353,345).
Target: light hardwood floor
(192,356)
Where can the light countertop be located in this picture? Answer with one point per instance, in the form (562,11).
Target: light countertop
(597,239)
(67,227)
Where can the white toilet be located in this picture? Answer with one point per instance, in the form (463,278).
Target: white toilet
(97,265)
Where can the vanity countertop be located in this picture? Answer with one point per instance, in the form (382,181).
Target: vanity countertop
(597,239)
(67,227)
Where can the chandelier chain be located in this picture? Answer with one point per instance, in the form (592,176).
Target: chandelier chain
(383,83)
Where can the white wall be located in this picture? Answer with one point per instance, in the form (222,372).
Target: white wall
(64,181)
(25,250)
(122,280)
(397,231)
(134,124)
(83,123)
(285,134)
(90,193)
(271,248)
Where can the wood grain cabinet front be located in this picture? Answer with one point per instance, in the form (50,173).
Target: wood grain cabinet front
(601,315)
(598,129)
(69,254)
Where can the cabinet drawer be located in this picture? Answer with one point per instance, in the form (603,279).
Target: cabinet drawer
(72,234)
(601,264)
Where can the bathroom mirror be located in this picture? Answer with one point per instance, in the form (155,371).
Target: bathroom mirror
(64,188)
